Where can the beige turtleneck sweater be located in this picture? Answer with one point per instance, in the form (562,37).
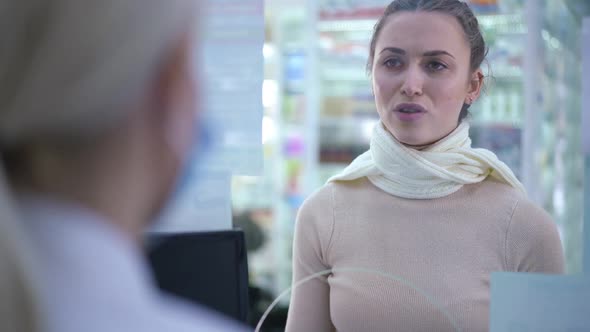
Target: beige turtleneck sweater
(412,265)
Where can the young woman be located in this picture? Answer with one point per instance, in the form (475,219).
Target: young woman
(411,231)
(98,116)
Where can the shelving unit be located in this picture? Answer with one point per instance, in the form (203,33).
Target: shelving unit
(561,88)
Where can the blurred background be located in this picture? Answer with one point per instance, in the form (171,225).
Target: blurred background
(319,111)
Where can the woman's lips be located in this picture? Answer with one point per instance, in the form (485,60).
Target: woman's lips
(409,112)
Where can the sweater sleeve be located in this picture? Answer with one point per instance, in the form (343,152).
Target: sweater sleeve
(309,309)
(532,241)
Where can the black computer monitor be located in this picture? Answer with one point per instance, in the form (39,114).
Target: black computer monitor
(208,268)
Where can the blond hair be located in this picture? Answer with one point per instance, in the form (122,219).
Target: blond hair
(69,68)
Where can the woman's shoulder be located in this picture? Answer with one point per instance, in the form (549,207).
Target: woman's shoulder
(333,194)
(325,202)
(495,187)
(494,194)
(532,241)
(497,195)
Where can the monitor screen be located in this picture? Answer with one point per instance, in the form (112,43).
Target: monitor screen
(208,268)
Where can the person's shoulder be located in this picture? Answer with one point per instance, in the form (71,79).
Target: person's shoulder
(496,188)
(318,205)
(152,313)
(492,195)
(326,195)
(354,189)
(530,221)
(532,216)
(525,218)
(533,242)
(501,192)
(178,315)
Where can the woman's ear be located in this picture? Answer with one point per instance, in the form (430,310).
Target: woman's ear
(475,86)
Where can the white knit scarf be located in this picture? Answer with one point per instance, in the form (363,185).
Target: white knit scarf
(436,171)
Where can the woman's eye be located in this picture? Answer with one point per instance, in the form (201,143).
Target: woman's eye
(392,63)
(436,66)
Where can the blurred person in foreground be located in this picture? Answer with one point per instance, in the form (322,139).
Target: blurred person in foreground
(411,231)
(98,119)
(19,302)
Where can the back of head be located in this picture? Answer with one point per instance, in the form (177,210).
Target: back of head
(69,67)
(68,70)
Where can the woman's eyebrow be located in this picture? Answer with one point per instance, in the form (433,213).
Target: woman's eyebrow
(437,52)
(428,53)
(393,50)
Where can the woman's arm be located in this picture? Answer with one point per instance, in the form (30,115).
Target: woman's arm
(309,309)
(532,242)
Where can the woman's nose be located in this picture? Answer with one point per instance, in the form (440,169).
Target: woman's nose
(413,82)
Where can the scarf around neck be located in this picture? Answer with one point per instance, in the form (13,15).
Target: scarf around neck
(436,171)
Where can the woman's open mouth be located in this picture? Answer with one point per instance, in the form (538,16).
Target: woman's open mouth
(408,112)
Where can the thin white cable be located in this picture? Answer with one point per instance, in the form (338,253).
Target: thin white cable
(363,270)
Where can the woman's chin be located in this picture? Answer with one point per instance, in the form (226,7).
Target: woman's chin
(416,146)
(413,141)
(410,137)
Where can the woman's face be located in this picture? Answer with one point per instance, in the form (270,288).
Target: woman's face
(421,76)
